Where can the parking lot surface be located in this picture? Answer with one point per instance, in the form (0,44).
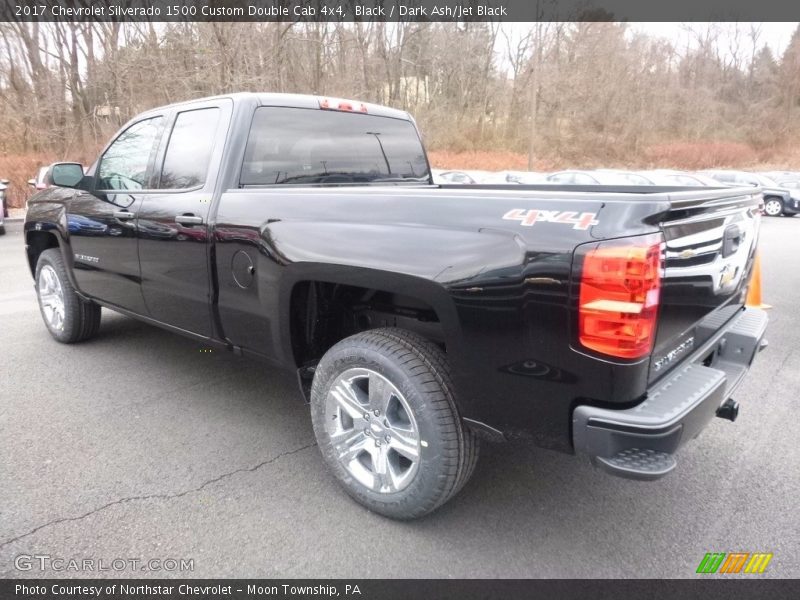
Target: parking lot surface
(140,445)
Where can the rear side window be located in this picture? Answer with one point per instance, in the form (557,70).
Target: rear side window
(683,180)
(634,179)
(189,149)
(124,165)
(309,146)
(724,177)
(566,178)
(745,180)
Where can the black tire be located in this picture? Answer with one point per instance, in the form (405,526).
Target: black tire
(775,206)
(2,229)
(418,369)
(81,319)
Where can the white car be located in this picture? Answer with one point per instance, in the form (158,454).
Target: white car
(39,182)
(523,177)
(672,177)
(599,177)
(460,177)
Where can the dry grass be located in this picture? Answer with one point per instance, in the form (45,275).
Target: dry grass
(688,156)
(488,160)
(701,155)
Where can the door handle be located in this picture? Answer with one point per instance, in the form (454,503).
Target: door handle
(189,220)
(123,214)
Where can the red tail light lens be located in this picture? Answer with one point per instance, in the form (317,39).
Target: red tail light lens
(619,296)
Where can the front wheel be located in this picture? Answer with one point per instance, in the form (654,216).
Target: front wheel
(67,316)
(773,207)
(385,418)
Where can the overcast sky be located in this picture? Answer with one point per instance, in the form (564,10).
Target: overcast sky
(776,35)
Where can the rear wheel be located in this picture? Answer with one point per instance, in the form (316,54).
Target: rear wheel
(67,316)
(773,207)
(386,421)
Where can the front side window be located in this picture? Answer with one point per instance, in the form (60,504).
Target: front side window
(124,165)
(583,179)
(682,180)
(309,146)
(189,149)
(635,179)
(745,180)
(566,178)
(724,177)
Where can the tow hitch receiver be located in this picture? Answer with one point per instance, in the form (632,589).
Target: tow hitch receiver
(729,410)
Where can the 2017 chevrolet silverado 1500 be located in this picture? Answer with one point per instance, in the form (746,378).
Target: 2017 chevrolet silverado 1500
(607,321)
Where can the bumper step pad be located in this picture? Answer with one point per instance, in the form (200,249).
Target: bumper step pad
(640,442)
(638,463)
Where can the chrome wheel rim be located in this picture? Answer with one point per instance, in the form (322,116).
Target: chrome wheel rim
(772,207)
(51,298)
(373,431)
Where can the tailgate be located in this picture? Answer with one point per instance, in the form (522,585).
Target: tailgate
(710,247)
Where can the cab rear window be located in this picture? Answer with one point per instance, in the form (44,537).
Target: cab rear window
(309,146)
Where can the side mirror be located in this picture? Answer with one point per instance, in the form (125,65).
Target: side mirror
(4,182)
(66,175)
(32,183)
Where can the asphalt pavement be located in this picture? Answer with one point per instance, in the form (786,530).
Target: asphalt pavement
(140,445)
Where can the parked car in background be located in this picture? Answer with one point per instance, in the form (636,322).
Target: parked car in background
(40,181)
(599,177)
(523,177)
(778,200)
(682,178)
(793,185)
(3,208)
(571,178)
(445,177)
(470,177)
(625,177)
(491,177)
(778,175)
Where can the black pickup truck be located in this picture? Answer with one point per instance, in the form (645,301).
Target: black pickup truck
(306,231)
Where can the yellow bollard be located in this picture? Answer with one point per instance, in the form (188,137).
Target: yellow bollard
(754,290)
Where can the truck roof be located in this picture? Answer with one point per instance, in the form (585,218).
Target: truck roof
(297,101)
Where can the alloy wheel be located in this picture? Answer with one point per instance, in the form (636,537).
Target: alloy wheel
(373,430)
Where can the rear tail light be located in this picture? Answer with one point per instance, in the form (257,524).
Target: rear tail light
(620,290)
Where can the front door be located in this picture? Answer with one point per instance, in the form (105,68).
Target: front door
(102,221)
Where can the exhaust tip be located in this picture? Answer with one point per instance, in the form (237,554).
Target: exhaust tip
(729,410)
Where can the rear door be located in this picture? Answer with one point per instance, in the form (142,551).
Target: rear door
(101,222)
(172,222)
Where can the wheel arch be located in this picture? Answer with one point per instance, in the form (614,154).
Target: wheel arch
(779,198)
(423,300)
(36,242)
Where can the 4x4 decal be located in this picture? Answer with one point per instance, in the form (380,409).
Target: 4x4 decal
(528,218)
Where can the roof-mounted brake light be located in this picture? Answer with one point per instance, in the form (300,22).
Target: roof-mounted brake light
(343,105)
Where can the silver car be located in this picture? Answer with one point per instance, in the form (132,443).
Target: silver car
(3,187)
